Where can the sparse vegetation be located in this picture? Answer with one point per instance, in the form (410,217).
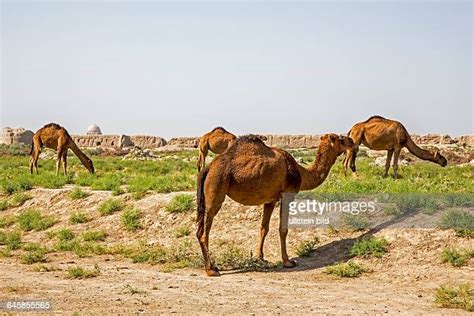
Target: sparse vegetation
(12,240)
(455,297)
(94,235)
(236,258)
(78,193)
(355,222)
(307,247)
(18,199)
(182,231)
(62,234)
(461,221)
(130,219)
(78,272)
(78,218)
(3,205)
(346,270)
(7,220)
(110,206)
(180,203)
(32,219)
(34,253)
(456,257)
(371,246)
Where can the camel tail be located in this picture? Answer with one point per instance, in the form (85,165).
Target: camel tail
(417,151)
(200,199)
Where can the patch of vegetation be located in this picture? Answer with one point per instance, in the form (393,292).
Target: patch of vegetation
(456,257)
(130,219)
(346,270)
(35,253)
(355,222)
(235,258)
(18,199)
(371,246)
(78,218)
(94,235)
(3,205)
(62,234)
(7,220)
(45,268)
(153,254)
(12,240)
(77,194)
(182,231)
(33,220)
(78,272)
(180,203)
(110,206)
(307,247)
(451,297)
(461,221)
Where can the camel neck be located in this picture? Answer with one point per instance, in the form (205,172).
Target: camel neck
(313,176)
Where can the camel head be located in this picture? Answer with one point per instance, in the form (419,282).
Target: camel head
(339,143)
(440,159)
(89,165)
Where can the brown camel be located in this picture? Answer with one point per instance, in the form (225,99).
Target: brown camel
(56,137)
(379,133)
(251,173)
(216,141)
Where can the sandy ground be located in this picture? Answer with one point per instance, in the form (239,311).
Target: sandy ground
(401,282)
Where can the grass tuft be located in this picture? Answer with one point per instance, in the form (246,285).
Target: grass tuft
(371,246)
(33,220)
(346,270)
(456,257)
(461,221)
(10,239)
(307,247)
(451,297)
(78,272)
(110,206)
(180,203)
(78,218)
(130,219)
(77,194)
(94,235)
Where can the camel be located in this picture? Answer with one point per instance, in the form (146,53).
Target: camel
(251,173)
(379,133)
(56,137)
(216,141)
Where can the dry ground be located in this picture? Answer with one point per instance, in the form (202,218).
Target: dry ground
(403,281)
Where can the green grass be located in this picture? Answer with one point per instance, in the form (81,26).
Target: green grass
(110,206)
(7,220)
(307,247)
(180,203)
(12,240)
(78,193)
(34,253)
(79,218)
(32,219)
(456,257)
(18,199)
(355,222)
(182,231)
(461,221)
(130,219)
(62,234)
(346,270)
(94,235)
(78,272)
(233,257)
(3,205)
(371,246)
(455,297)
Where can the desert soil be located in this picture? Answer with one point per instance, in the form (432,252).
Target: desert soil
(403,281)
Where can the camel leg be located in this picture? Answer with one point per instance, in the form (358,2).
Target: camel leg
(203,238)
(34,160)
(396,155)
(287,263)
(387,163)
(347,159)
(264,227)
(64,158)
(202,157)
(58,160)
(353,160)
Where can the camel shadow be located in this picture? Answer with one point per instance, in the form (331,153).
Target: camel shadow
(331,253)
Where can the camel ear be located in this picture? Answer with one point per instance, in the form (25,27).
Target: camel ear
(333,137)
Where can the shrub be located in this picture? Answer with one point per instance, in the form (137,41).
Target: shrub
(452,297)
(77,193)
(461,221)
(35,253)
(33,220)
(18,199)
(131,219)
(371,246)
(64,234)
(78,218)
(94,235)
(307,247)
(182,231)
(110,206)
(81,273)
(455,257)
(10,239)
(6,221)
(180,203)
(346,270)
(3,205)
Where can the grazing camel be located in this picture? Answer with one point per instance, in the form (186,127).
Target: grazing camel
(56,137)
(216,141)
(379,133)
(251,173)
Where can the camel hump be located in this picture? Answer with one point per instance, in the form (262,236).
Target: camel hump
(52,125)
(251,138)
(374,117)
(219,128)
(293,176)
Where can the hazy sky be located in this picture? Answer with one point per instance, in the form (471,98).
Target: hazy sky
(178,69)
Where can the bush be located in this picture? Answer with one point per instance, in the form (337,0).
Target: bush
(182,231)
(81,273)
(35,253)
(12,240)
(3,205)
(371,246)
(131,219)
(180,203)
(110,206)
(78,218)
(455,257)
(18,199)
(78,193)
(307,247)
(33,220)
(6,221)
(346,270)
(461,221)
(94,235)
(452,297)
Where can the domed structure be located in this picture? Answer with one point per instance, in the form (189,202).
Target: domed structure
(93,130)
